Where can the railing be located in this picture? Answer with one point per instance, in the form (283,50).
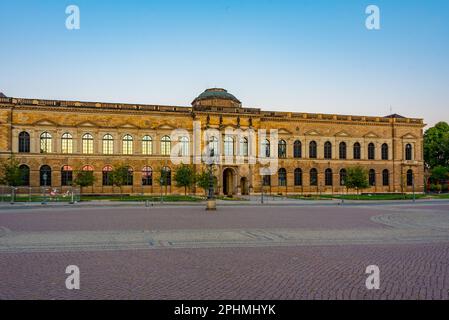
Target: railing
(39,194)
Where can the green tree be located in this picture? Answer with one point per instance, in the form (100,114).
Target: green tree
(436,145)
(202,180)
(84,178)
(10,173)
(119,176)
(184,177)
(356,178)
(438,174)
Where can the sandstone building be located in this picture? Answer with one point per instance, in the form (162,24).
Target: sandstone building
(52,139)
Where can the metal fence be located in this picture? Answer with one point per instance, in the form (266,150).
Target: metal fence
(39,194)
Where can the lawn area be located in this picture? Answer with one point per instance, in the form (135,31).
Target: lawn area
(167,198)
(372,196)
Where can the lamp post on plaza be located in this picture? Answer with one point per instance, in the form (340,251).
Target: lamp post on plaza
(211,202)
(44,177)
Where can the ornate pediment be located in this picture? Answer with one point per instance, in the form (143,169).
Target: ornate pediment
(312,133)
(342,134)
(371,135)
(87,124)
(45,122)
(128,126)
(165,127)
(283,131)
(409,136)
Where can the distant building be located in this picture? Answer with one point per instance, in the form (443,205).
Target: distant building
(52,139)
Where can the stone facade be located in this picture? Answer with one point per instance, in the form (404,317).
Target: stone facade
(215,109)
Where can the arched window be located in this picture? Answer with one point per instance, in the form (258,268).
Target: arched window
(88,143)
(213,146)
(312,150)
(328,181)
(265,148)
(107,176)
(129,177)
(298,177)
(282,177)
(166,176)
(357,151)
(108,144)
(184,148)
(342,150)
(127,144)
(327,150)
(408,152)
(313,177)
(228,146)
(45,176)
(372,177)
(343,175)
(147,176)
(147,145)
(24,175)
(66,176)
(244,147)
(410,178)
(297,152)
(385,178)
(67,143)
(282,149)
(165,146)
(46,142)
(24,142)
(384,151)
(88,168)
(371,151)
(266,180)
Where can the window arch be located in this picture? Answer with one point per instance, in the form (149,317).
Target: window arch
(184,148)
(312,150)
(357,151)
(342,150)
(127,144)
(313,177)
(266,180)
(298,177)
(46,142)
(244,147)
(266,148)
(24,175)
(328,179)
(385,177)
(410,177)
(166,176)
(327,150)
(408,152)
(282,149)
(67,143)
(147,145)
(88,143)
(88,167)
(66,176)
(372,177)
(282,177)
(297,152)
(165,146)
(384,151)
(343,175)
(147,176)
(24,142)
(107,176)
(213,146)
(371,151)
(108,144)
(45,176)
(228,146)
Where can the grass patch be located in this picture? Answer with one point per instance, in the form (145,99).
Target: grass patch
(166,198)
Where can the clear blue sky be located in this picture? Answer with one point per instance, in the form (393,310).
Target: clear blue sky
(304,56)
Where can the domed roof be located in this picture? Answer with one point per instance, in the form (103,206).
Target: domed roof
(216,93)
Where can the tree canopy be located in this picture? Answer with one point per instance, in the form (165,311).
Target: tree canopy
(184,177)
(356,178)
(436,145)
(10,173)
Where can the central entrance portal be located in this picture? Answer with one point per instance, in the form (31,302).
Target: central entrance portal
(228,181)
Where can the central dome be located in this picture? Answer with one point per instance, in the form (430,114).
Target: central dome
(216,97)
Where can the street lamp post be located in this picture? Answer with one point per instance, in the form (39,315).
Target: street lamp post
(413,186)
(211,202)
(44,177)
